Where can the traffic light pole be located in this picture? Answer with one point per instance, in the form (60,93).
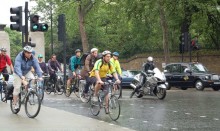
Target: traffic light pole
(26,23)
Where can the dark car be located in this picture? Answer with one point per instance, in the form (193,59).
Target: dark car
(186,75)
(127,77)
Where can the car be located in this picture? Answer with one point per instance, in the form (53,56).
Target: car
(127,77)
(193,74)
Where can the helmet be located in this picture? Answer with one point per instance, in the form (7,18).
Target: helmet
(3,49)
(40,56)
(105,52)
(28,48)
(150,59)
(77,50)
(93,49)
(115,54)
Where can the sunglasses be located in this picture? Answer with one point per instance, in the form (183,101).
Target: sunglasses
(40,57)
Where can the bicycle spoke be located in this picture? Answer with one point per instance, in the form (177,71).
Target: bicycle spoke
(114,108)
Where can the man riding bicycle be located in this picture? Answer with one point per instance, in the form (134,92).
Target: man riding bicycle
(74,63)
(99,72)
(23,63)
(89,64)
(53,66)
(4,60)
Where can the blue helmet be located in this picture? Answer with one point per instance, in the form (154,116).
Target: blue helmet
(115,54)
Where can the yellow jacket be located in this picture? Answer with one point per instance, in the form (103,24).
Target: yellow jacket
(116,65)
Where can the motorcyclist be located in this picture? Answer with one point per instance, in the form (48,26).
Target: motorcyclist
(147,66)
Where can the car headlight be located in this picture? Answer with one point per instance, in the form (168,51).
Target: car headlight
(206,77)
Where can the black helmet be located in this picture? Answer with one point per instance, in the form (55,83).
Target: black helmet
(77,50)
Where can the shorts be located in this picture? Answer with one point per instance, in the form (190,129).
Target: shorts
(70,74)
(92,80)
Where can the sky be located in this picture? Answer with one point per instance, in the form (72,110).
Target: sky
(5,6)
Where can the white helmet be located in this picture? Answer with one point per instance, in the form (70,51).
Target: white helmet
(28,48)
(150,59)
(93,49)
(105,52)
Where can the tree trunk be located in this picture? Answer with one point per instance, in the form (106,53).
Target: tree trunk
(165,31)
(84,39)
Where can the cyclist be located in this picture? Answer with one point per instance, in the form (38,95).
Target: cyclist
(4,60)
(117,66)
(42,64)
(74,63)
(89,64)
(53,66)
(23,63)
(99,72)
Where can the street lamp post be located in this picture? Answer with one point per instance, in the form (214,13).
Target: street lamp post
(51,26)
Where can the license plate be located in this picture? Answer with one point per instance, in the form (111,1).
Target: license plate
(216,82)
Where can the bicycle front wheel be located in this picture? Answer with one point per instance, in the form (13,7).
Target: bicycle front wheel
(59,87)
(32,104)
(114,108)
(117,91)
(40,92)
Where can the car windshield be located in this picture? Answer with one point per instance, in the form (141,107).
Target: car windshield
(134,72)
(198,68)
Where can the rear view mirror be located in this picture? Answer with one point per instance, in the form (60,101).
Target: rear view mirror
(165,71)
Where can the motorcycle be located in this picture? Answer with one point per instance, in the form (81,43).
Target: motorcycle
(155,84)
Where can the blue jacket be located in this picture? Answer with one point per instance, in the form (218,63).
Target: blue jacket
(74,63)
(23,66)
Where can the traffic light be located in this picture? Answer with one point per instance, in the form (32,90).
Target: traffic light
(35,25)
(60,26)
(185,40)
(16,18)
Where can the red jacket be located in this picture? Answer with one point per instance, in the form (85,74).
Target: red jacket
(3,61)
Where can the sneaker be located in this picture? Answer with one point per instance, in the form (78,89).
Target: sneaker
(16,106)
(95,98)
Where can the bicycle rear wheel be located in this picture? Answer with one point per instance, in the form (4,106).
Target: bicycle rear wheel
(76,88)
(32,104)
(84,97)
(49,87)
(15,111)
(114,108)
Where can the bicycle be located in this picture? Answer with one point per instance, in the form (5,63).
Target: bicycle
(74,86)
(56,87)
(113,108)
(30,98)
(5,89)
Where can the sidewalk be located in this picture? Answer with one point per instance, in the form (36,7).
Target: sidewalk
(50,119)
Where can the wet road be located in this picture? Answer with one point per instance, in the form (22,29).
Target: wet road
(181,110)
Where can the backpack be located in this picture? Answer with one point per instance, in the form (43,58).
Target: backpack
(83,58)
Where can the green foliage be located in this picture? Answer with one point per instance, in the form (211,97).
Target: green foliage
(133,26)
(15,42)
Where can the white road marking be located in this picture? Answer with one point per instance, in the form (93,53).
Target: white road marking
(151,107)
(145,121)
(188,113)
(73,105)
(111,124)
(131,104)
(202,116)
(174,128)
(159,124)
(175,111)
(216,119)
(131,118)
